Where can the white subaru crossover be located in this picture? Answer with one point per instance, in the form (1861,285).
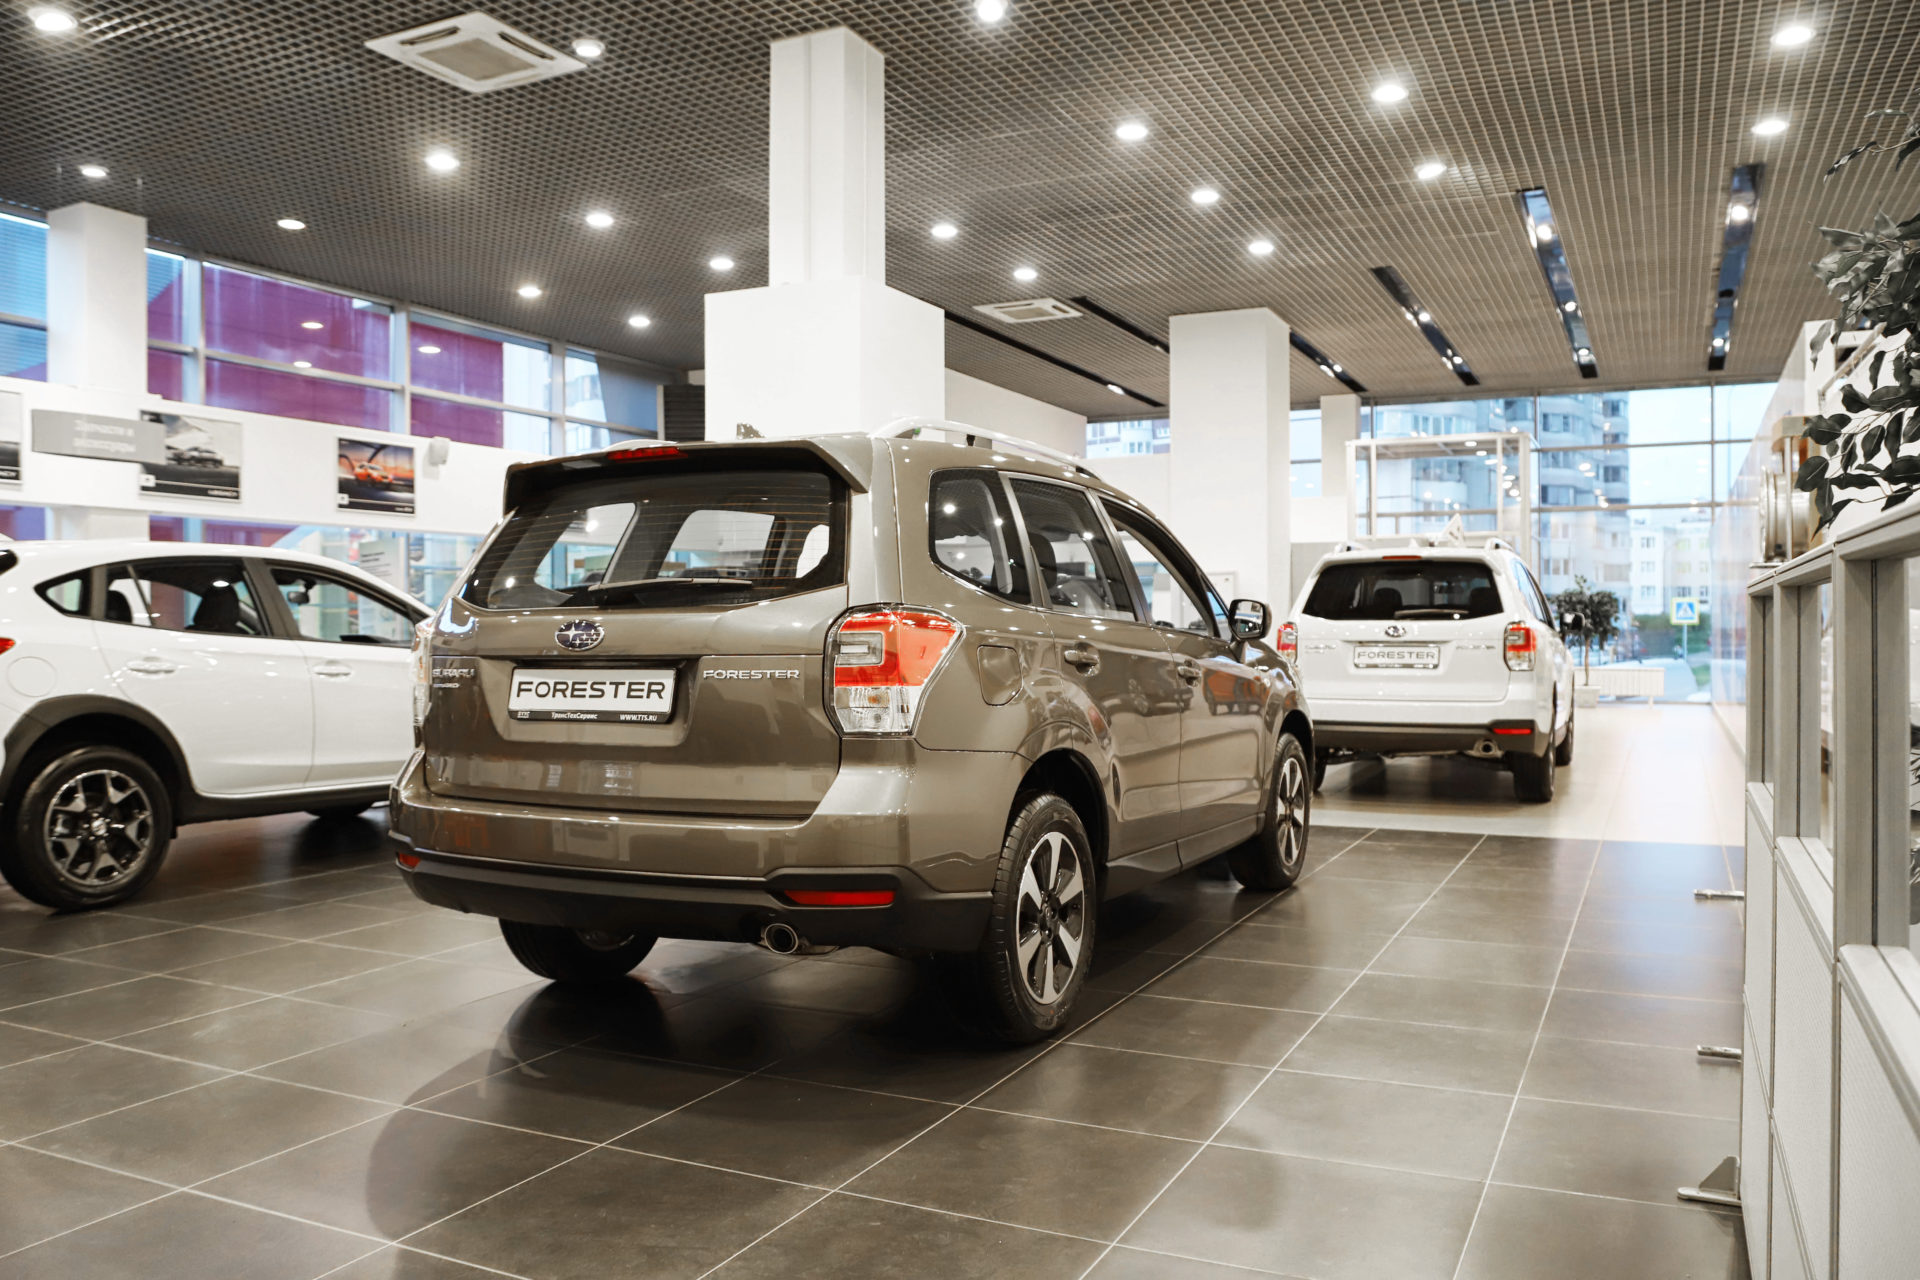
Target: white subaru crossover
(1432,649)
(148,684)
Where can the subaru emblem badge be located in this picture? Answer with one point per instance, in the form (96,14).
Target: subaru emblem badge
(579,635)
(1393,629)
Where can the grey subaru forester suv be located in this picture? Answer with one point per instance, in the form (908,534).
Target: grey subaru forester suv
(932,696)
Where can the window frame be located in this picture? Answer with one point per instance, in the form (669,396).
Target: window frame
(270,616)
(1040,600)
(1182,566)
(1023,588)
(415,614)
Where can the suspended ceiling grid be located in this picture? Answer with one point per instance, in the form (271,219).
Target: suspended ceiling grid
(216,120)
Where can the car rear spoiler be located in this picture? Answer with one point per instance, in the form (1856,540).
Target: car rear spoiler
(849,457)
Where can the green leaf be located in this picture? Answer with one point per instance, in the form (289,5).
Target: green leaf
(1852,400)
(1871,441)
(1895,499)
(1888,397)
(1902,471)
(1912,432)
(1811,472)
(1873,367)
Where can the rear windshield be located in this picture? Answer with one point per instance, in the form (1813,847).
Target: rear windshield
(1388,589)
(667,540)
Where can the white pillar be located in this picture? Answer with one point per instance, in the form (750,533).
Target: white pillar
(1339,427)
(97,298)
(826,345)
(73,523)
(1228,463)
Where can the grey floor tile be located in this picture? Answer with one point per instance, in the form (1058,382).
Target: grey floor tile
(1409,1053)
(17,1044)
(311,920)
(1329,948)
(1557,882)
(27,981)
(208,908)
(1633,1075)
(1710,943)
(416,934)
(417,988)
(253,1035)
(1482,922)
(107,1012)
(1610,1151)
(1311,1217)
(1686,976)
(1402,866)
(1412,834)
(1141,1092)
(716,1031)
(63,1088)
(830,988)
(1124,970)
(588,1094)
(693,1219)
(289,966)
(1677,910)
(851,1238)
(681,967)
(1395,1126)
(1534,851)
(1541,903)
(43,1195)
(175,950)
(398,1263)
(1266,986)
(789,1129)
(198,1133)
(1123,1263)
(408,1063)
(1452,958)
(1524,1234)
(42,933)
(396,1174)
(938,1062)
(223,1241)
(1660,1020)
(1195,1029)
(1489,1006)
(1009,1169)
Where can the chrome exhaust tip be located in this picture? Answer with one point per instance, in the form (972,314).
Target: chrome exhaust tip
(781,939)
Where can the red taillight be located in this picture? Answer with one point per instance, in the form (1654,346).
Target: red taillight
(840,897)
(1289,644)
(1520,645)
(644,451)
(5,644)
(1512,732)
(407,860)
(881,658)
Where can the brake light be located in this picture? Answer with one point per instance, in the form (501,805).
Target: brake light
(5,644)
(840,897)
(1520,645)
(881,658)
(422,671)
(634,452)
(1289,643)
(407,860)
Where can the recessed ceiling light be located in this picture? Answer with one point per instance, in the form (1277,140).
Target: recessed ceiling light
(1130,131)
(990,10)
(1425,317)
(291,224)
(588,49)
(1430,170)
(303,364)
(1391,91)
(92,171)
(1738,213)
(599,219)
(1583,353)
(1116,388)
(441,160)
(639,320)
(528,291)
(944,231)
(52,21)
(1025,274)
(1543,232)
(720,262)
(1260,248)
(1570,306)
(1719,342)
(1772,126)
(428,350)
(1204,196)
(312,324)
(1793,35)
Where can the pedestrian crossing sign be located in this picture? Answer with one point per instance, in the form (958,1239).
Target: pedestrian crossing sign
(1686,613)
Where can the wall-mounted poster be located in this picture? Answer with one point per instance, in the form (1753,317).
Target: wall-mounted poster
(203,458)
(89,435)
(375,477)
(12,411)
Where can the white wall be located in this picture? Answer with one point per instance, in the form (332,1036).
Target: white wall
(994,408)
(288,470)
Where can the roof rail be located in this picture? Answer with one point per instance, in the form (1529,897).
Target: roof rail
(904,428)
(1499,544)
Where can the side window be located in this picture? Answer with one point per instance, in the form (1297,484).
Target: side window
(1074,567)
(1173,599)
(971,532)
(185,595)
(70,594)
(1530,593)
(326,608)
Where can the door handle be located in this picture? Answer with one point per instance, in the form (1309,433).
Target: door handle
(1082,656)
(1189,672)
(153,666)
(333,670)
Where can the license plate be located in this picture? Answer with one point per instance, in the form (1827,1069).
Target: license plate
(616,695)
(1425,656)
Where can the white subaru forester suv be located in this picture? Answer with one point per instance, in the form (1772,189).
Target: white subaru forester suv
(148,684)
(1432,649)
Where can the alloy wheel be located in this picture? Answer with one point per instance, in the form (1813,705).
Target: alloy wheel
(1290,812)
(1051,925)
(99,828)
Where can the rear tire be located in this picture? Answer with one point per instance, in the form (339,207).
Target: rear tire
(1532,777)
(574,956)
(90,829)
(1563,754)
(1040,936)
(1274,859)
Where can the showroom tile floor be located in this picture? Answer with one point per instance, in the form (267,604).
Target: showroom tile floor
(1442,1055)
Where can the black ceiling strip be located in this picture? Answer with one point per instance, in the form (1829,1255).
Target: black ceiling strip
(1093,308)
(1321,358)
(1549,250)
(1743,206)
(968,322)
(1422,319)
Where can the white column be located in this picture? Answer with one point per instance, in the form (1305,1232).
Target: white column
(1339,427)
(1228,463)
(74,523)
(826,345)
(97,298)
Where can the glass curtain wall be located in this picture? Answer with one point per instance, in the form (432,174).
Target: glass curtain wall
(424,565)
(23,298)
(1303,441)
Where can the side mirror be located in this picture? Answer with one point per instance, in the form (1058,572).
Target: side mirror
(1250,619)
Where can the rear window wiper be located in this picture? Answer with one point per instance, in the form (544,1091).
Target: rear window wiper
(637,584)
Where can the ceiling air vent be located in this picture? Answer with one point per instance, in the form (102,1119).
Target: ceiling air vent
(1029,311)
(477,53)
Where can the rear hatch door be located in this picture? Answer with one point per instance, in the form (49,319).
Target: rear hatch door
(1404,628)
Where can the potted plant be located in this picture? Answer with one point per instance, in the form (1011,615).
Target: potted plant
(1593,613)
(1874,276)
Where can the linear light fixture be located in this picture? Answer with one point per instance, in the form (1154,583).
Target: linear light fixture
(1422,319)
(1327,364)
(1121,323)
(1743,201)
(1549,250)
(968,322)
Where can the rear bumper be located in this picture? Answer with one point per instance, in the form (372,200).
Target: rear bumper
(1522,737)
(724,909)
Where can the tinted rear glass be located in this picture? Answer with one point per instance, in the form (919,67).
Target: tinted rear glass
(1387,589)
(667,540)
